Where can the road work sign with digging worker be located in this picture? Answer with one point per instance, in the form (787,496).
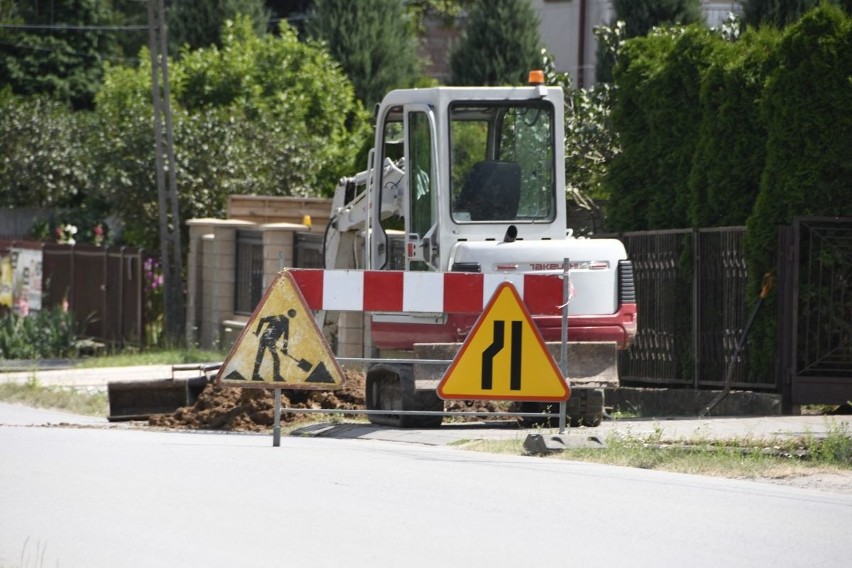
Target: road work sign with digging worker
(281,345)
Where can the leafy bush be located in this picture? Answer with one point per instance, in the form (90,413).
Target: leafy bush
(42,154)
(46,334)
(263,116)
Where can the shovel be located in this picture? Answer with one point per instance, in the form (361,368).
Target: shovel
(767,286)
(303,364)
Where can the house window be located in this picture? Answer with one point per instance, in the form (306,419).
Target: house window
(249,277)
(308,250)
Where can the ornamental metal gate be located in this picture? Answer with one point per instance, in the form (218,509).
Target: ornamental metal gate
(815,289)
(692,305)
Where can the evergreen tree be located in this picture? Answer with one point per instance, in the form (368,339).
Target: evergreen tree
(642,15)
(195,24)
(781,13)
(63,58)
(500,45)
(129,13)
(372,40)
(731,149)
(639,17)
(657,115)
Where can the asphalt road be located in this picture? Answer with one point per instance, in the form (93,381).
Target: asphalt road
(114,497)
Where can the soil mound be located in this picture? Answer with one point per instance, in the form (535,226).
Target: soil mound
(253,409)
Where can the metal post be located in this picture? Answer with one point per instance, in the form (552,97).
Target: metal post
(276,427)
(696,307)
(563,353)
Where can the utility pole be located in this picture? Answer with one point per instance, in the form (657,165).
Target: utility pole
(170,245)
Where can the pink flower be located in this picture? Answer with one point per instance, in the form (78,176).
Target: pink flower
(24,307)
(99,235)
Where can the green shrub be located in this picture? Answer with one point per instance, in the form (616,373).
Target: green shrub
(731,150)
(45,334)
(657,116)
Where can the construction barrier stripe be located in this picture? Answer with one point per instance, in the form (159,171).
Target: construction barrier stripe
(400,291)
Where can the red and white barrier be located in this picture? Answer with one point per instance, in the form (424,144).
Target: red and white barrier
(398,291)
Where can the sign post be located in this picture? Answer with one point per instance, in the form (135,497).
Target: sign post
(563,350)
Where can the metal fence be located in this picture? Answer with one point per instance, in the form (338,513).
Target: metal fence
(692,304)
(248,288)
(661,267)
(103,287)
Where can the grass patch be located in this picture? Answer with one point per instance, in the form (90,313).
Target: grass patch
(747,458)
(71,400)
(153,357)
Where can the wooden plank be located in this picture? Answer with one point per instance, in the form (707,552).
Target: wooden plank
(275,209)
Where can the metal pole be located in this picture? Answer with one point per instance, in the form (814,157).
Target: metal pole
(563,353)
(170,242)
(276,427)
(696,307)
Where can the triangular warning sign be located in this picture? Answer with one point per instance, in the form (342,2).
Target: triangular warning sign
(504,357)
(281,345)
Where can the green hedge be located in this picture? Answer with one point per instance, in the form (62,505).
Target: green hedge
(657,116)
(716,132)
(807,110)
(731,149)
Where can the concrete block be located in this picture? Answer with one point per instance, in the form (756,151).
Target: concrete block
(542,444)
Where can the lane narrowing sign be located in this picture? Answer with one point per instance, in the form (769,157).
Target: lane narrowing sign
(504,357)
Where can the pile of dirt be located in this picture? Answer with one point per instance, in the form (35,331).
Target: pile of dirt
(253,409)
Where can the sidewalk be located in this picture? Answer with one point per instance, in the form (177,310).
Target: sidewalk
(671,430)
(90,378)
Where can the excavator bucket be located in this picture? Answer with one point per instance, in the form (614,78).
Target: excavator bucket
(138,400)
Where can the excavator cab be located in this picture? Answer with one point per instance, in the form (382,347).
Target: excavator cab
(475,161)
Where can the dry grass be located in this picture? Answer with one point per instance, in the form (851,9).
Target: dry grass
(828,458)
